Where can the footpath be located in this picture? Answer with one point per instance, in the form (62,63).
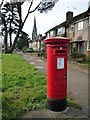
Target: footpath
(77,88)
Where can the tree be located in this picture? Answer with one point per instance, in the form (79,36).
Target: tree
(23,40)
(43,6)
(1,3)
(9,21)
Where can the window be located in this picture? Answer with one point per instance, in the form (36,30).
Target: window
(80,25)
(52,33)
(61,31)
(71,28)
(88,45)
(48,35)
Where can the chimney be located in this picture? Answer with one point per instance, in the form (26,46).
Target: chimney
(69,16)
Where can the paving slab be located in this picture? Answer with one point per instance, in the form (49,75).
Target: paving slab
(86,110)
(37,114)
(82,116)
(57,114)
(69,113)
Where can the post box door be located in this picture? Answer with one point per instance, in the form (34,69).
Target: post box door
(60,83)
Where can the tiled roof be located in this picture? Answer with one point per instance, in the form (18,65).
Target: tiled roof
(78,17)
(62,24)
(87,12)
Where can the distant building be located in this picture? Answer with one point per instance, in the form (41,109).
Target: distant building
(77,29)
(34,36)
(36,42)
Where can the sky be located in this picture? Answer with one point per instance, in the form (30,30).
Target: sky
(57,15)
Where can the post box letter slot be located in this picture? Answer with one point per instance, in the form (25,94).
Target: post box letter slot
(59,52)
(60,63)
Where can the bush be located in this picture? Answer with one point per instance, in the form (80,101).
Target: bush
(88,58)
(42,53)
(70,57)
(24,49)
(80,55)
(73,55)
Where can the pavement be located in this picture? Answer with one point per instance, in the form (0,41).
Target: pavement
(77,88)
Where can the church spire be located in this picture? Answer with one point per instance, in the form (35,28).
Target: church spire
(34,32)
(35,22)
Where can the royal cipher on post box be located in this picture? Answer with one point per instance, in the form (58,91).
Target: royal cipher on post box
(57,50)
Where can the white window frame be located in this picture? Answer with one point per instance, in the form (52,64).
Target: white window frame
(48,35)
(71,28)
(52,33)
(80,25)
(61,31)
(88,45)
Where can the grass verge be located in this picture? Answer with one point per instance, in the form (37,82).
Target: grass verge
(23,87)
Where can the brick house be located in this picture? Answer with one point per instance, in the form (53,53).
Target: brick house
(77,29)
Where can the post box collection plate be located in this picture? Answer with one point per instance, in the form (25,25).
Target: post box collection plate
(60,63)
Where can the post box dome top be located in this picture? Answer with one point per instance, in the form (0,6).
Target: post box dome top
(53,40)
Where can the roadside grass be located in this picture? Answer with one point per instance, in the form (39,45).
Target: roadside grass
(72,103)
(87,63)
(23,87)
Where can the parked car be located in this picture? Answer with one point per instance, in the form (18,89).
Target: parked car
(30,50)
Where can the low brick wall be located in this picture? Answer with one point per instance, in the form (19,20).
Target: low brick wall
(78,66)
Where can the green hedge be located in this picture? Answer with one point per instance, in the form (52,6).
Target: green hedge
(78,55)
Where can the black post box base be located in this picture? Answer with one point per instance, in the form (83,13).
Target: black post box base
(56,105)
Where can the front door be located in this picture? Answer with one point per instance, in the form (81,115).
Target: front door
(80,47)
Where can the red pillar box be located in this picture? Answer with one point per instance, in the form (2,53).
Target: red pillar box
(56,72)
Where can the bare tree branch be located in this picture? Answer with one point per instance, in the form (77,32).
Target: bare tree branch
(27,14)
(35,8)
(1,3)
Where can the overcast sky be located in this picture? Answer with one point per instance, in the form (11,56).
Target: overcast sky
(54,17)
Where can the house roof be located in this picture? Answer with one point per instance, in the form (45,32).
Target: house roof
(78,17)
(74,19)
(87,12)
(62,24)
